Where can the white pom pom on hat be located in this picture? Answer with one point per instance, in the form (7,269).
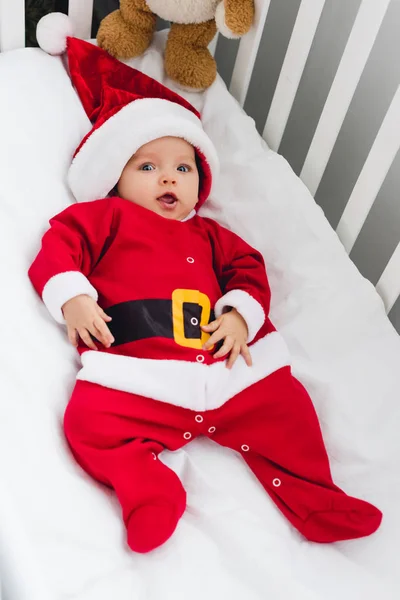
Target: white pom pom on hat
(52,32)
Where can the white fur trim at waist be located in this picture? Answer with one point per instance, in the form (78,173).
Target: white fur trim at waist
(182,383)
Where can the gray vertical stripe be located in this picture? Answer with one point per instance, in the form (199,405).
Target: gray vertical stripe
(394,314)
(330,39)
(161,24)
(381,231)
(367,110)
(101,8)
(225,55)
(271,53)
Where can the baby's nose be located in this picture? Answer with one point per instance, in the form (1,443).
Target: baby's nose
(169,179)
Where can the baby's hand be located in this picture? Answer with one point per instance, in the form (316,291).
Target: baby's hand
(232,328)
(84,317)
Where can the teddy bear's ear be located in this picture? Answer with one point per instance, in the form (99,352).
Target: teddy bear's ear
(234,17)
(52,33)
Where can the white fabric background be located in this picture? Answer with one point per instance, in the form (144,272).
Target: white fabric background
(61,535)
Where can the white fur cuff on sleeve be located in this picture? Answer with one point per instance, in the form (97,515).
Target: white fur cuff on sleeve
(63,287)
(221,25)
(251,310)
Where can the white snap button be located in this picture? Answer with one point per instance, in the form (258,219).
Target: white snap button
(187,435)
(245,448)
(194,321)
(200,358)
(276,482)
(190,259)
(211,429)
(154,456)
(199,418)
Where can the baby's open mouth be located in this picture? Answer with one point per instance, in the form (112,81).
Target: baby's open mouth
(168,200)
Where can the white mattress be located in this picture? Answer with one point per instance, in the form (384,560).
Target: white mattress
(61,535)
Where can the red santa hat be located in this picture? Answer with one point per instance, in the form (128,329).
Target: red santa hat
(127,109)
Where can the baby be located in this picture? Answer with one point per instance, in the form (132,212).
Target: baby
(162,177)
(169,312)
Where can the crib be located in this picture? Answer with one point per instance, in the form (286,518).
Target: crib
(306,136)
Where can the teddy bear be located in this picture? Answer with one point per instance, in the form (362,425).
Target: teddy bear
(128,31)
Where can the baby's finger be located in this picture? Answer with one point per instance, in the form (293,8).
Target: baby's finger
(245,352)
(103,334)
(72,336)
(216,337)
(213,326)
(225,348)
(103,314)
(233,355)
(84,334)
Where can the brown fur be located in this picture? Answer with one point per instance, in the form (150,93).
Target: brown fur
(133,9)
(239,15)
(127,32)
(198,69)
(123,39)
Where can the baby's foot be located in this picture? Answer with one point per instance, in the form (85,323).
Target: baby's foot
(150,525)
(350,518)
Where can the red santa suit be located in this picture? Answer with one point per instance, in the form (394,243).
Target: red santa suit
(156,388)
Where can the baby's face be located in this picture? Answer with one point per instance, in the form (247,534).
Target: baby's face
(163,177)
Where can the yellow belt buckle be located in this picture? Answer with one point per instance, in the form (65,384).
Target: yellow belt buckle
(179,297)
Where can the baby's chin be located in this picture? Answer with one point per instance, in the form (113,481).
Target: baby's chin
(178,216)
(175,213)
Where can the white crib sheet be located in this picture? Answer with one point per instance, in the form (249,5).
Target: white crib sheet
(61,535)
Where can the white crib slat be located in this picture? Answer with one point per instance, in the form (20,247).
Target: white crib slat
(81,13)
(247,53)
(388,285)
(292,69)
(355,56)
(12,24)
(376,167)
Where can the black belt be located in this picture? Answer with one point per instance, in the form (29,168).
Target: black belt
(141,319)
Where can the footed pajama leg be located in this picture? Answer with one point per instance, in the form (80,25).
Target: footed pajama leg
(274,426)
(116,437)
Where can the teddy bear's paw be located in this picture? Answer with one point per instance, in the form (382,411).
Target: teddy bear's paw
(193,69)
(121,39)
(234,18)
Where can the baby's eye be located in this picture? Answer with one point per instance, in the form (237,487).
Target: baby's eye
(184,168)
(147,167)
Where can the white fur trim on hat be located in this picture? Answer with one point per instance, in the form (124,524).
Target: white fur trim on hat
(52,32)
(221,25)
(99,163)
(251,310)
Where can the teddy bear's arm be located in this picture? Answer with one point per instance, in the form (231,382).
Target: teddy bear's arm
(234,17)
